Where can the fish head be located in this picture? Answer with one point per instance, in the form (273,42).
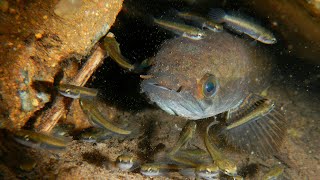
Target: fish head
(200,79)
(198,35)
(267,38)
(227,167)
(185,96)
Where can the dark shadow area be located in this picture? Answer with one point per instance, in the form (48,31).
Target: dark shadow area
(96,158)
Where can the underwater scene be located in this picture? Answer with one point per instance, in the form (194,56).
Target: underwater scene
(160,89)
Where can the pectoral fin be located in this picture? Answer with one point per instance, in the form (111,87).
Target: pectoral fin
(257,127)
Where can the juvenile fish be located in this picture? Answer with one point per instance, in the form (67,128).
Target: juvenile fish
(155,169)
(126,162)
(185,135)
(95,135)
(76,92)
(37,140)
(240,24)
(112,47)
(225,165)
(181,29)
(261,110)
(274,173)
(89,108)
(207,171)
(203,22)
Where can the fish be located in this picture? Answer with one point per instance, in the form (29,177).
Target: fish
(242,25)
(225,165)
(112,47)
(201,171)
(94,135)
(38,140)
(158,169)
(181,29)
(76,92)
(201,79)
(126,162)
(207,171)
(185,135)
(202,21)
(190,159)
(89,107)
(274,173)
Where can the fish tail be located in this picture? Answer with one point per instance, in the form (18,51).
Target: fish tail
(217,15)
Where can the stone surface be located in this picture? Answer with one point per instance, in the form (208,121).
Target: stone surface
(36,38)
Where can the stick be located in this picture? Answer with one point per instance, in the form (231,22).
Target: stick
(51,116)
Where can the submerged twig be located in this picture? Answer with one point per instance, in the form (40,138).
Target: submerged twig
(51,116)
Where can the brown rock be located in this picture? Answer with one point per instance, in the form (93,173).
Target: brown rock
(35,41)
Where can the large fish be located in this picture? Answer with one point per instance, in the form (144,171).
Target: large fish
(200,79)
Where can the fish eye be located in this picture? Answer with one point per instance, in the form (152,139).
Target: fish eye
(208,85)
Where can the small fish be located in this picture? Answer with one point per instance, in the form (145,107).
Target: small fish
(191,158)
(204,22)
(112,47)
(94,135)
(185,135)
(207,171)
(274,173)
(155,169)
(225,165)
(181,29)
(240,24)
(126,162)
(262,122)
(89,108)
(37,140)
(76,92)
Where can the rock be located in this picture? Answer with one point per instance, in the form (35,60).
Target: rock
(34,43)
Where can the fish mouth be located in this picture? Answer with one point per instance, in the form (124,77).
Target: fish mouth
(174,102)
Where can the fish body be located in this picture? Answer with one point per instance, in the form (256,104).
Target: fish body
(203,22)
(186,134)
(225,165)
(241,24)
(95,135)
(155,169)
(181,29)
(76,92)
(201,79)
(97,119)
(38,140)
(112,47)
